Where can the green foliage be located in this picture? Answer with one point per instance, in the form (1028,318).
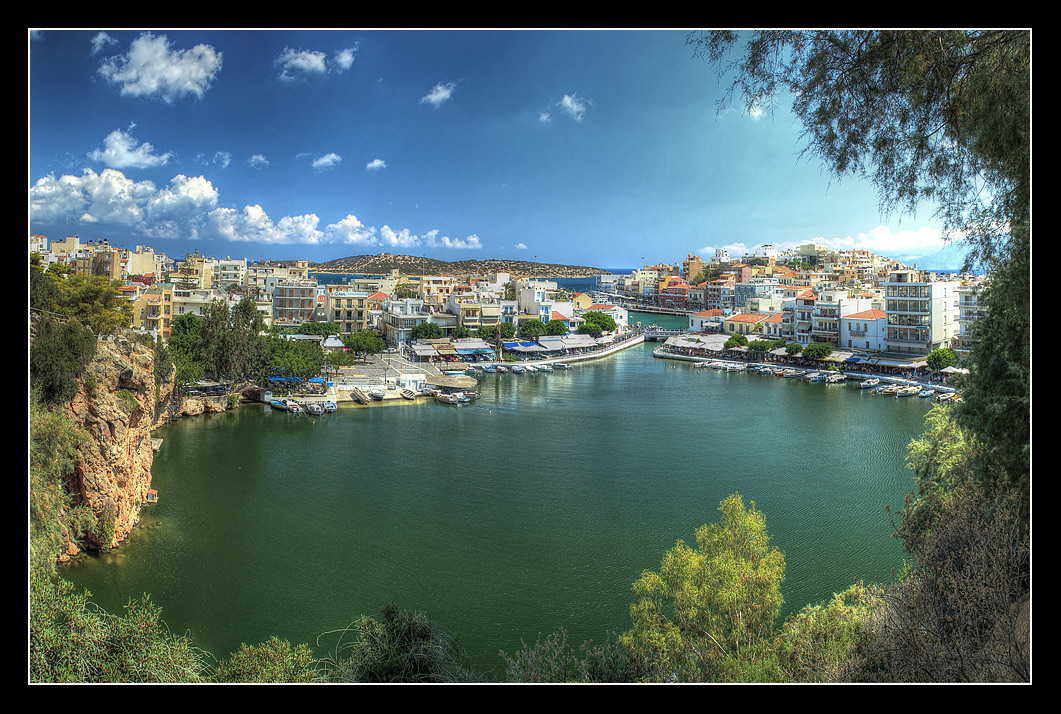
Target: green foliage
(602,320)
(709,611)
(426,331)
(590,328)
(941,358)
(54,520)
(817,350)
(403,647)
(531,329)
(556,327)
(72,640)
(293,358)
(274,661)
(95,302)
(364,342)
(735,340)
(551,660)
(793,348)
(816,644)
(59,353)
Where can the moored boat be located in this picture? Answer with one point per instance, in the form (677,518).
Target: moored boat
(408,394)
(813,377)
(278,404)
(377,393)
(446,398)
(359,396)
(926,393)
(907,391)
(330,406)
(293,406)
(518,369)
(314,408)
(867,383)
(562,365)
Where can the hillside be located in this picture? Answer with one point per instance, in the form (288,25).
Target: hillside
(416,265)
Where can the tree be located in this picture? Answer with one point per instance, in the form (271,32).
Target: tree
(95,302)
(273,661)
(941,118)
(364,342)
(710,610)
(426,331)
(531,329)
(59,353)
(941,358)
(402,647)
(556,327)
(605,322)
(817,350)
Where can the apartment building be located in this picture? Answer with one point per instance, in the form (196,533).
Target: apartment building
(863,330)
(921,312)
(970,310)
(295,302)
(400,316)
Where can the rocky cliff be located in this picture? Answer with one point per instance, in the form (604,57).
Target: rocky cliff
(118,405)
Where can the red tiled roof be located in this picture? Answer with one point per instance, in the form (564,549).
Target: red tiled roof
(866,315)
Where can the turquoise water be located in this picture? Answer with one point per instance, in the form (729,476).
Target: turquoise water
(534,508)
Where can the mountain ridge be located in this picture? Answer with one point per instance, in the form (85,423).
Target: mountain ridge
(421,265)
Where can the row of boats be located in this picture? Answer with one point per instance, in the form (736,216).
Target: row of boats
(475,370)
(295,407)
(873,383)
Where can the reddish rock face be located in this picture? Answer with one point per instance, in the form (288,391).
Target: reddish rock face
(118,405)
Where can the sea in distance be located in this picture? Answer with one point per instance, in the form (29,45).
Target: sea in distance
(534,508)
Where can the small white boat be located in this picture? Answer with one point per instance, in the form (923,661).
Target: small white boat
(359,396)
(926,393)
(866,384)
(330,407)
(562,365)
(907,391)
(835,378)
(314,408)
(736,367)
(446,398)
(501,368)
(293,406)
(408,394)
(530,368)
(278,404)
(545,368)
(377,393)
(518,369)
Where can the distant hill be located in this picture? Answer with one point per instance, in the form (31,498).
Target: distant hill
(416,265)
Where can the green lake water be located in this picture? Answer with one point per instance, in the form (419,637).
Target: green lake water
(534,508)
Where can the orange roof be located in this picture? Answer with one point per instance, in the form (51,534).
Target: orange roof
(708,313)
(600,306)
(776,317)
(378,296)
(866,315)
(746,317)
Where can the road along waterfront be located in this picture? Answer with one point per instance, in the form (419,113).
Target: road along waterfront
(535,507)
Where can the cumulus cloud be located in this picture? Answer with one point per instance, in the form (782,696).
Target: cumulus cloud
(102,40)
(121,151)
(521,246)
(294,63)
(376,165)
(189,207)
(439,94)
(328,161)
(574,106)
(152,69)
(257,162)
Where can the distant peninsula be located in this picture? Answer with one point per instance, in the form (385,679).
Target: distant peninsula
(417,265)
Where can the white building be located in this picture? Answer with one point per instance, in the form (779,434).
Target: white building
(922,314)
(863,330)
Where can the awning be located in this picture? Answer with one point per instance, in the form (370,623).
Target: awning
(424,351)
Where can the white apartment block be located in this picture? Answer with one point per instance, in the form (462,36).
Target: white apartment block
(921,313)
(970,310)
(863,331)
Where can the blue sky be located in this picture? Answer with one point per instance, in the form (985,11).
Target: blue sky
(599,148)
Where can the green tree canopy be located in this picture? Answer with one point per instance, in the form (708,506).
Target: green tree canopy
(426,331)
(710,609)
(817,350)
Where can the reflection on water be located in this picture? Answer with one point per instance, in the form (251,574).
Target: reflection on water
(535,507)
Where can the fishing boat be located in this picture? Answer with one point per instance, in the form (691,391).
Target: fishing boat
(377,393)
(814,377)
(926,392)
(293,406)
(835,378)
(530,368)
(562,365)
(408,394)
(278,404)
(867,383)
(329,407)
(314,408)
(736,367)
(791,374)
(518,369)
(359,396)
(489,368)
(908,391)
(446,398)
(545,368)
(501,368)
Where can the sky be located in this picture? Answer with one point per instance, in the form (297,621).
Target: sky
(583,147)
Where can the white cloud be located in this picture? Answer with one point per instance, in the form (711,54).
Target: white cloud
(102,40)
(151,69)
(376,165)
(328,161)
(439,94)
(344,59)
(222,159)
(257,161)
(521,246)
(121,151)
(574,106)
(298,62)
(188,207)
(544,117)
